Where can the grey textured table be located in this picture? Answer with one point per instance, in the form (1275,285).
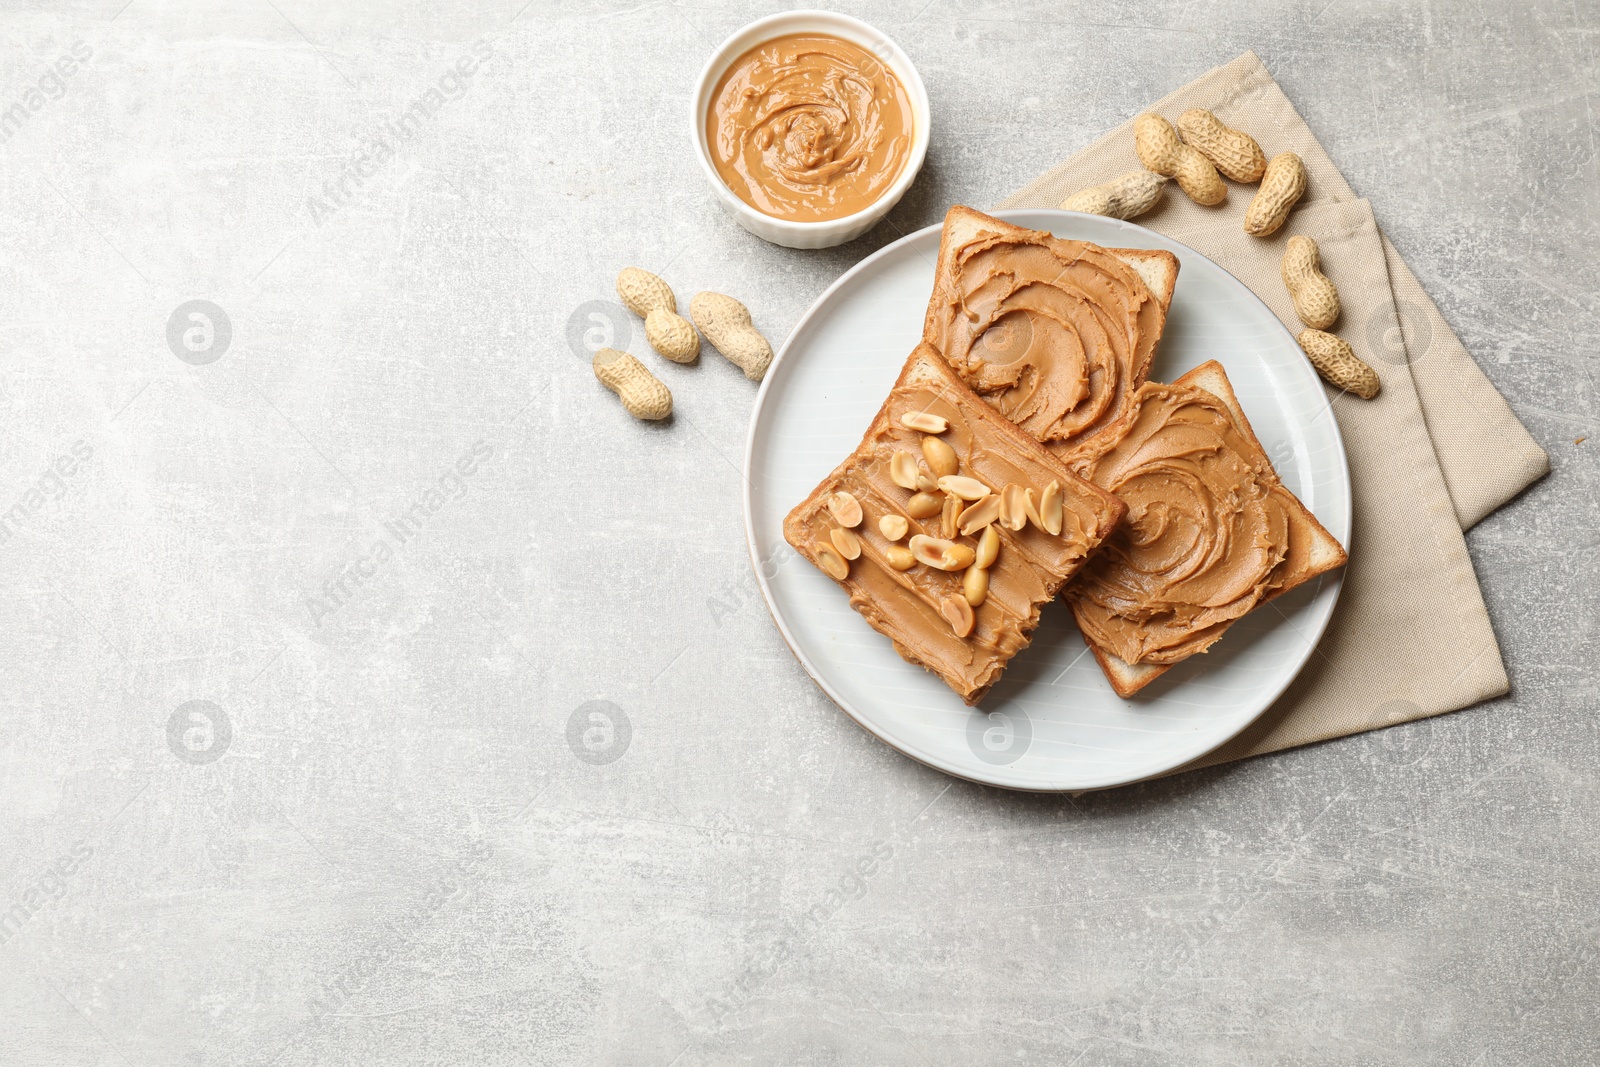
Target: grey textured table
(301,630)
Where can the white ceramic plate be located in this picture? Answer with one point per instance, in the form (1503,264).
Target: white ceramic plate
(1053,722)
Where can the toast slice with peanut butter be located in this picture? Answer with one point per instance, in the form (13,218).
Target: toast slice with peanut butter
(1210,535)
(1056,334)
(903,522)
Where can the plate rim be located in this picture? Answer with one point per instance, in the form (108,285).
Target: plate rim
(1334,580)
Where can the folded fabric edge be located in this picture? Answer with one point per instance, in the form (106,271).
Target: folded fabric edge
(1490,683)
(1230,751)
(1492,458)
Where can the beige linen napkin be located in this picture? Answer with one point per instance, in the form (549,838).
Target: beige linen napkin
(1436,451)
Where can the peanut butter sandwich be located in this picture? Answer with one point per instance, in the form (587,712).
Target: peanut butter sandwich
(1056,334)
(950,528)
(1211,533)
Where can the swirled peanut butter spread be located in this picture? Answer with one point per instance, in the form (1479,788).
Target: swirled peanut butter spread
(1029,570)
(809,128)
(1057,334)
(1207,535)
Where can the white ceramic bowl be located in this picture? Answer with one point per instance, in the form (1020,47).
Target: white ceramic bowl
(833,231)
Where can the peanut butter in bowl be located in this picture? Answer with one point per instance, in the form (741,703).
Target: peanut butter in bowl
(809,127)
